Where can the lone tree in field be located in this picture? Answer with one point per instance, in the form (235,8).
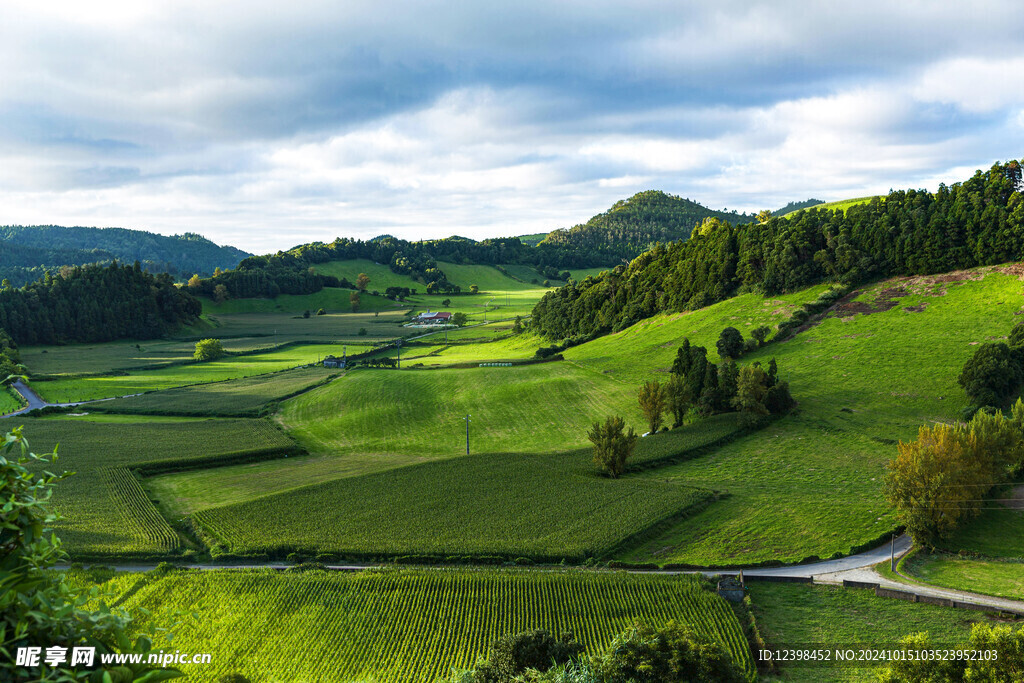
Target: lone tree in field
(208,349)
(730,343)
(460,319)
(474,289)
(362,282)
(612,446)
(353,301)
(652,403)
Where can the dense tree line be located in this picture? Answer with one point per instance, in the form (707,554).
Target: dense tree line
(10,358)
(95,303)
(973,223)
(632,226)
(27,252)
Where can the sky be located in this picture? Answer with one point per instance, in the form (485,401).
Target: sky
(270,124)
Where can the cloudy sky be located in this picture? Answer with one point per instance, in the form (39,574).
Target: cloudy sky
(266,124)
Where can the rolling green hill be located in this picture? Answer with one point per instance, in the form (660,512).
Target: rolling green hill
(27,251)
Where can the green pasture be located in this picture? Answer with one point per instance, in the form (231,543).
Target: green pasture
(547,507)
(282,327)
(234,397)
(538,408)
(78,359)
(331,299)
(646,350)
(844,204)
(9,403)
(1001,578)
(380,274)
(225,368)
(811,616)
(811,483)
(405,626)
(105,510)
(998,532)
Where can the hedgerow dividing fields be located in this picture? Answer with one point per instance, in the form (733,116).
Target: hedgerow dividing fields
(105,510)
(410,625)
(528,409)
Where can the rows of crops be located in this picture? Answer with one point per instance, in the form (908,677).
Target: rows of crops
(94,512)
(138,514)
(238,397)
(413,625)
(227,367)
(542,506)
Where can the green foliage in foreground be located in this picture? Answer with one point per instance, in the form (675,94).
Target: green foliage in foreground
(232,398)
(1006,667)
(38,609)
(105,510)
(668,654)
(411,626)
(547,507)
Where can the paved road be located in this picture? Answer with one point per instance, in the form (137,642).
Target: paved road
(35,402)
(865,559)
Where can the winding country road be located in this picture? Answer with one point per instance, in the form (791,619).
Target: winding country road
(33,400)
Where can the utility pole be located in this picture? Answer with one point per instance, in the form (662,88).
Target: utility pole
(398,345)
(467,434)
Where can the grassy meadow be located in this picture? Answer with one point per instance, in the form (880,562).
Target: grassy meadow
(539,408)
(8,401)
(405,626)
(810,484)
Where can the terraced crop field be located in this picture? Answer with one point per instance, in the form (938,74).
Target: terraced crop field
(332,299)
(105,509)
(409,626)
(547,507)
(283,327)
(228,367)
(232,398)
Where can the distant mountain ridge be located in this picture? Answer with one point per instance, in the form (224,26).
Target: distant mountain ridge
(631,226)
(26,252)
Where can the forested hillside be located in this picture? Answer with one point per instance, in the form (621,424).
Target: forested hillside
(95,303)
(615,236)
(634,225)
(26,252)
(973,223)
